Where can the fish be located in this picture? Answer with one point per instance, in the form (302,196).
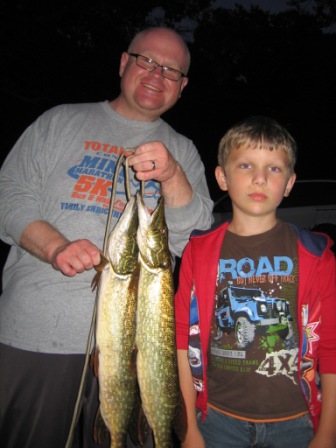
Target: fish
(155,333)
(116,327)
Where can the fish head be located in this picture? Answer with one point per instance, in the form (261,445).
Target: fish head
(152,235)
(122,246)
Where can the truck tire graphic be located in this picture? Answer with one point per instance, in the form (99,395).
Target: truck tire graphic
(245,332)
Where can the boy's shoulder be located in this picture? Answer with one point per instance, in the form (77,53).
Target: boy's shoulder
(214,230)
(315,243)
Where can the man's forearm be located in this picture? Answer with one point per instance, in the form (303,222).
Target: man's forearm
(177,191)
(42,240)
(70,257)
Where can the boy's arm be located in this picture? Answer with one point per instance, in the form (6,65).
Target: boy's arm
(325,436)
(193,437)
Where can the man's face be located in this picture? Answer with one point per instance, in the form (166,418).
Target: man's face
(146,95)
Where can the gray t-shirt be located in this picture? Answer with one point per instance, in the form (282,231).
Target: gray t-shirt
(61,171)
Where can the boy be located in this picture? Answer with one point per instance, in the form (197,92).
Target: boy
(256,310)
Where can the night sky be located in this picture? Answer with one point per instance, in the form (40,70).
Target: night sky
(38,74)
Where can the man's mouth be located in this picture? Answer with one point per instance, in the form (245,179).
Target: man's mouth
(151,87)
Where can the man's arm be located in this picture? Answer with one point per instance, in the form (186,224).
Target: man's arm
(188,205)
(176,190)
(193,437)
(48,244)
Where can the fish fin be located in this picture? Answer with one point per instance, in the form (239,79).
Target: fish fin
(132,429)
(99,269)
(101,265)
(94,361)
(95,281)
(100,431)
(134,355)
(144,430)
(180,422)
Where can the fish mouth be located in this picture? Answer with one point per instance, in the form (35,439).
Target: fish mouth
(152,236)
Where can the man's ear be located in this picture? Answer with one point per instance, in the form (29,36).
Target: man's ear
(123,61)
(290,184)
(184,82)
(221,178)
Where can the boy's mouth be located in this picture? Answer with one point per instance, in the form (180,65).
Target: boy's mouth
(258,196)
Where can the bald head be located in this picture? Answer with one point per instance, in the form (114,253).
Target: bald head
(168,37)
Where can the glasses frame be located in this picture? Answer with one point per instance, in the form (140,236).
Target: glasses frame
(164,68)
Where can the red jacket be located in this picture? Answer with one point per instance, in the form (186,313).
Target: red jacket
(316,306)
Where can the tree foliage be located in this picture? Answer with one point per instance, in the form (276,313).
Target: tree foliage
(324,10)
(244,61)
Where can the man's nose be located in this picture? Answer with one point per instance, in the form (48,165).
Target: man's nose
(158,71)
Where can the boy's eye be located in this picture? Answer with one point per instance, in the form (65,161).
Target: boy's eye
(245,165)
(275,169)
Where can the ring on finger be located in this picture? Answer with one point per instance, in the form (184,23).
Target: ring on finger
(153,165)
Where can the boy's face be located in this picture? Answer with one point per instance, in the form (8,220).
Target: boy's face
(256,180)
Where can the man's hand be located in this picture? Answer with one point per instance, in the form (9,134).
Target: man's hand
(75,257)
(45,242)
(153,161)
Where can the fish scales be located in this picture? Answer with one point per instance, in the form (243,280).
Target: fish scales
(115,328)
(155,334)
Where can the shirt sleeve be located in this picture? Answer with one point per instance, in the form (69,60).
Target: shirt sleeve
(326,277)
(182,300)
(197,214)
(21,179)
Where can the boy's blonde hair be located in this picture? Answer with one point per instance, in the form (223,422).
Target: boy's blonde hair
(257,133)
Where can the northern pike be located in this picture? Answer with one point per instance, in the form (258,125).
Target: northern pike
(115,327)
(155,333)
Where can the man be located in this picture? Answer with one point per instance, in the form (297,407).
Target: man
(55,190)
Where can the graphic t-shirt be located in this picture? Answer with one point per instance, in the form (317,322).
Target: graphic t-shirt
(62,170)
(253,349)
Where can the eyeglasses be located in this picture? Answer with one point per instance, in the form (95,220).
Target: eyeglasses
(150,65)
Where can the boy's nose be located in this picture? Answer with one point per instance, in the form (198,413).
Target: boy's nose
(260,177)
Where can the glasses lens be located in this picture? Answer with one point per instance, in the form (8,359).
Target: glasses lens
(150,65)
(147,64)
(170,73)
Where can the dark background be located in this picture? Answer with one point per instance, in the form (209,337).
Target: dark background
(245,61)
